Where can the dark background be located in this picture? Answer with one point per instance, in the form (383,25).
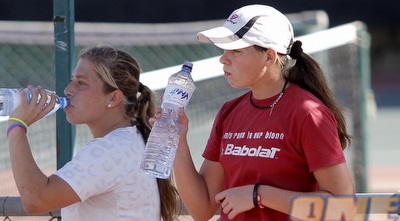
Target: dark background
(382,18)
(383,12)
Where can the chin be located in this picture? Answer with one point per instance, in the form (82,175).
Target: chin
(237,86)
(71,120)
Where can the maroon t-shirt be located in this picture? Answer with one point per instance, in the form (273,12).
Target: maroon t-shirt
(279,148)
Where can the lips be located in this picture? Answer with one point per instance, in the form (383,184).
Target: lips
(227,74)
(70,105)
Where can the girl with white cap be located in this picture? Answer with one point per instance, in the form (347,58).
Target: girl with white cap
(282,138)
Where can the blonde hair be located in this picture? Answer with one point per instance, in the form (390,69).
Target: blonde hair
(120,71)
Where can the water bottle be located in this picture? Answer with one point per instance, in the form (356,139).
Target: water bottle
(10,99)
(163,140)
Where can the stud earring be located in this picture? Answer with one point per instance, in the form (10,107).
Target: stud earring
(109,105)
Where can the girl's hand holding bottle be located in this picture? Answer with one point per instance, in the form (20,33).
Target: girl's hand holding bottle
(33,109)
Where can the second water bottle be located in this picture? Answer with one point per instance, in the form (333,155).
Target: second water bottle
(163,141)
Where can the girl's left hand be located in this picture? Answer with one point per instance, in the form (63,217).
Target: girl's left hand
(236,200)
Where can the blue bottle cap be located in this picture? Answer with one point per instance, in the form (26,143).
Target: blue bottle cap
(187,66)
(63,101)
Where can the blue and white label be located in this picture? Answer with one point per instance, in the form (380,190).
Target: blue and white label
(177,95)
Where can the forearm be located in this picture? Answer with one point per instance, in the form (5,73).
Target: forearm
(275,198)
(28,177)
(191,185)
(281,199)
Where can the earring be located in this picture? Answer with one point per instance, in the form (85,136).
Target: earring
(109,105)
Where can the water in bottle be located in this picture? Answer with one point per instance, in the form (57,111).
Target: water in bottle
(10,99)
(163,141)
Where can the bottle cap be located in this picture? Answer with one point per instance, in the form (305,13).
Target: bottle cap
(63,101)
(187,66)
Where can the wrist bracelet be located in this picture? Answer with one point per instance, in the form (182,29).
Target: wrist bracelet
(18,120)
(14,125)
(255,194)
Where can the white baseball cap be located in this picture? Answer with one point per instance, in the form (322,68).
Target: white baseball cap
(252,25)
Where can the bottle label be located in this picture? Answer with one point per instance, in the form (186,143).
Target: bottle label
(177,95)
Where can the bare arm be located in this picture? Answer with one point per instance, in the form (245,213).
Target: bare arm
(38,192)
(335,180)
(197,189)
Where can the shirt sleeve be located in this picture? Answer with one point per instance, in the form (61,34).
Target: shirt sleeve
(321,142)
(212,150)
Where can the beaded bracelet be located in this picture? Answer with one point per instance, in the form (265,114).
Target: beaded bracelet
(14,125)
(257,197)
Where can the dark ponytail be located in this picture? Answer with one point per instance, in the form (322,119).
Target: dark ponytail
(308,74)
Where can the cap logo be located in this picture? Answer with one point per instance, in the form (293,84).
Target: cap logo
(247,27)
(238,35)
(234,16)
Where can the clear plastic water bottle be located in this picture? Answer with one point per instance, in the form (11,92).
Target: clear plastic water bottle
(10,99)
(163,141)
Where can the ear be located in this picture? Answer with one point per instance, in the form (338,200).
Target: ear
(271,57)
(115,98)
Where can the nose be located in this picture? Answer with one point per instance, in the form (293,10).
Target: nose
(67,90)
(223,59)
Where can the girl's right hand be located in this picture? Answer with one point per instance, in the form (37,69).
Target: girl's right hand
(184,122)
(36,109)
(156,116)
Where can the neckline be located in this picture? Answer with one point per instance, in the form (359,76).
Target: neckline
(271,105)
